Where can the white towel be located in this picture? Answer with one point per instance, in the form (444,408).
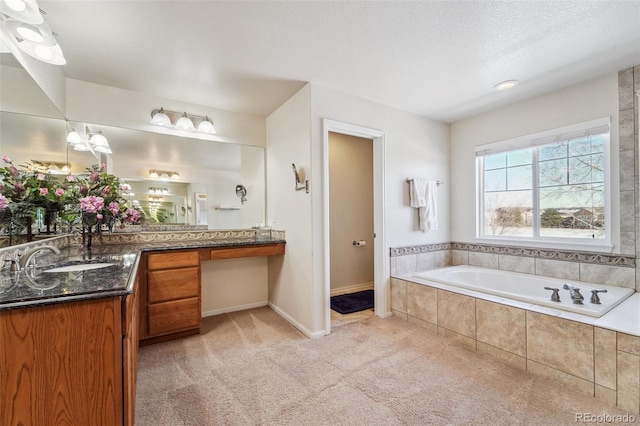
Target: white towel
(418,192)
(424,196)
(429,213)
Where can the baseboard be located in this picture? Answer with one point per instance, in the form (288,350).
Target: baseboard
(296,324)
(351,288)
(234,309)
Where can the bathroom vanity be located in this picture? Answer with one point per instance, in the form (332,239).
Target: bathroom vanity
(70,338)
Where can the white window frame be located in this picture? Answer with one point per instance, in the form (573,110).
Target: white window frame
(530,141)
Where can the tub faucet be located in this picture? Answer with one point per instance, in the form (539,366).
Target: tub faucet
(575,294)
(594,296)
(24,260)
(555,297)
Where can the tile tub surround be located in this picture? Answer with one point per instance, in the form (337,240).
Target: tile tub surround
(596,268)
(597,361)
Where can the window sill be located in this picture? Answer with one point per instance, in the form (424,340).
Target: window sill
(602,247)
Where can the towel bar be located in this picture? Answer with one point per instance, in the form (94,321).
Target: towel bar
(438,182)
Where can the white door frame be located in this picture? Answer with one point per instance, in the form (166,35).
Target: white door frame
(380,257)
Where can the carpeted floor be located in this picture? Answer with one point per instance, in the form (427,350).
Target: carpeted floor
(254,368)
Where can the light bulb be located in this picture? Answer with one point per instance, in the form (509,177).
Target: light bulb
(206,126)
(185,123)
(161,119)
(17,5)
(74,137)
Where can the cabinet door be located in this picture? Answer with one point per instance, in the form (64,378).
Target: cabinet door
(172,284)
(177,315)
(130,354)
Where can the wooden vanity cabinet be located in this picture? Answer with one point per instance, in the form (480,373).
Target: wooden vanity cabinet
(69,363)
(171,295)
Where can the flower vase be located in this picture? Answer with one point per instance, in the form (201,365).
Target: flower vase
(88,237)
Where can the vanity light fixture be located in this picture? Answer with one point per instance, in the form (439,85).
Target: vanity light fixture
(89,141)
(506,85)
(158,190)
(182,121)
(24,27)
(51,167)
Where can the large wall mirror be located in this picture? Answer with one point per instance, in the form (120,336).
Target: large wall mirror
(203,193)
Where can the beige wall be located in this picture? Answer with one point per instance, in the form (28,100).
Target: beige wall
(351,210)
(291,289)
(233,284)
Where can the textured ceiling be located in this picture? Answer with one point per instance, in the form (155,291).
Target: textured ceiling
(439,59)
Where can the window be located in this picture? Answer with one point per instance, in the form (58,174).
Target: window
(550,189)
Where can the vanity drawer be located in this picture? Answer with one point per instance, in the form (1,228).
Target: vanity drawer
(248,251)
(173,259)
(173,284)
(177,315)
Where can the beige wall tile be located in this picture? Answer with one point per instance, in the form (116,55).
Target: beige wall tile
(467,341)
(422,323)
(561,344)
(629,343)
(456,312)
(425,261)
(610,275)
(401,315)
(629,382)
(459,257)
(443,258)
(501,326)
(574,382)
(508,357)
(485,260)
(605,394)
(398,295)
(526,265)
(406,264)
(558,269)
(422,302)
(605,357)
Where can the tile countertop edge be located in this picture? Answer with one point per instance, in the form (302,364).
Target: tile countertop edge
(131,276)
(624,318)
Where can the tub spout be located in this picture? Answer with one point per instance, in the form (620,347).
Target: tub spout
(575,294)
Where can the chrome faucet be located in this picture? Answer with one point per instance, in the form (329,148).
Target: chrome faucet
(555,297)
(575,294)
(594,296)
(28,255)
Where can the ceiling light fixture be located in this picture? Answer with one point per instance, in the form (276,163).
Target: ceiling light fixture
(506,85)
(23,26)
(182,121)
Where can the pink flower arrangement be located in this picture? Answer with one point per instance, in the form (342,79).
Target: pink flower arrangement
(131,215)
(4,203)
(6,159)
(91,204)
(59,192)
(114,208)
(44,191)
(40,176)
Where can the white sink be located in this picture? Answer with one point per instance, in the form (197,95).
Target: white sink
(79,267)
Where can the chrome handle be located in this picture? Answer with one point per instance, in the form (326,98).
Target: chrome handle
(594,296)
(555,297)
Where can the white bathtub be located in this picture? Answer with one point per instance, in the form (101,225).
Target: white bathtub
(527,288)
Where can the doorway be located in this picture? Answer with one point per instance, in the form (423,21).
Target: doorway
(351,228)
(380,250)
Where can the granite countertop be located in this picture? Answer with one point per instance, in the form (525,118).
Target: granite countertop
(36,286)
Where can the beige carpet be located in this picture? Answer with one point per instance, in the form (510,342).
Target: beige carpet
(254,368)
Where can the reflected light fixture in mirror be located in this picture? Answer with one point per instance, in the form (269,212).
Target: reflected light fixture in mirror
(183,121)
(89,141)
(24,26)
(163,174)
